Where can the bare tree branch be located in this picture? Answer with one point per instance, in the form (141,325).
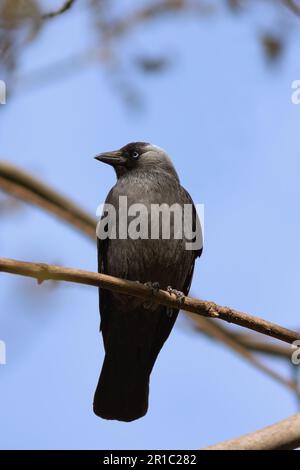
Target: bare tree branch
(254,342)
(52,14)
(43,272)
(154,10)
(251,341)
(219,333)
(23,186)
(292,5)
(284,435)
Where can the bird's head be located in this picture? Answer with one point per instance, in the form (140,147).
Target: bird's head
(138,156)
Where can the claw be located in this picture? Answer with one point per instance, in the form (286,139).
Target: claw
(154,286)
(179,295)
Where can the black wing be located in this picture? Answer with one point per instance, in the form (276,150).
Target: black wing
(197,253)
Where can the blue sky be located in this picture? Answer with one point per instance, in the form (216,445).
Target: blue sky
(226,118)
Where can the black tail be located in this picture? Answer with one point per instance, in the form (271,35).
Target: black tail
(122,391)
(132,341)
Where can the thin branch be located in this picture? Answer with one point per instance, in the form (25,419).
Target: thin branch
(219,333)
(25,187)
(252,342)
(292,6)
(52,14)
(156,10)
(284,435)
(43,272)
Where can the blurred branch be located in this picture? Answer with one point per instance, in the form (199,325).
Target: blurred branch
(219,333)
(25,187)
(44,272)
(66,6)
(284,435)
(57,70)
(155,10)
(111,29)
(252,342)
(292,6)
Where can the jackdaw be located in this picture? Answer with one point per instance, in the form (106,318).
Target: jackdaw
(134,330)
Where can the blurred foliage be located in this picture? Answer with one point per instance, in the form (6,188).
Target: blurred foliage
(273,46)
(16,13)
(21,21)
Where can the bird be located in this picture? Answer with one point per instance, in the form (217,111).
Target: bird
(134,330)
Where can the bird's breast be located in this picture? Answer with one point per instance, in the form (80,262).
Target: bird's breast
(144,243)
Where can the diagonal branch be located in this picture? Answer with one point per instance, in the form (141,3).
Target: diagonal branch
(293,6)
(221,334)
(252,342)
(25,187)
(52,14)
(43,272)
(284,435)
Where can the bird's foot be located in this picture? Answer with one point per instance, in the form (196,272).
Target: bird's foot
(154,286)
(178,294)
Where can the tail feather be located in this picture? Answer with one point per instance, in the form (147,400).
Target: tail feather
(122,391)
(132,341)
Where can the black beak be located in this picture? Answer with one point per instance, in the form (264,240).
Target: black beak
(114,158)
